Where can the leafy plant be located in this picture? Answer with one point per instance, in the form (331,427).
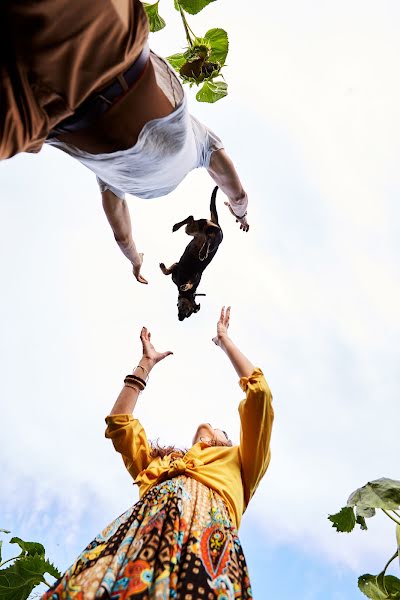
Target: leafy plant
(26,571)
(383,494)
(203,58)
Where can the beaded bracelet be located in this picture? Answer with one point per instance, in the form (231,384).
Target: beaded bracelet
(143,369)
(134,387)
(134,379)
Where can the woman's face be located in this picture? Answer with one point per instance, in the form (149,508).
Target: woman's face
(206,433)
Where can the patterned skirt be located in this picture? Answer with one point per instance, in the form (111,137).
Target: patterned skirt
(176,542)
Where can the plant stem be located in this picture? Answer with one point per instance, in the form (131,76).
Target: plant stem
(186,26)
(8,560)
(390,516)
(396,513)
(389,561)
(46,582)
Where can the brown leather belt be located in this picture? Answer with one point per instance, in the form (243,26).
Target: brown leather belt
(98,103)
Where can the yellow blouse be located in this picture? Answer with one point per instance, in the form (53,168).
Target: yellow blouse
(234,472)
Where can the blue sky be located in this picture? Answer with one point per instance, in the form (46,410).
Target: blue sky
(312,123)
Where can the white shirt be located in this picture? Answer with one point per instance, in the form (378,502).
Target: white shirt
(166,149)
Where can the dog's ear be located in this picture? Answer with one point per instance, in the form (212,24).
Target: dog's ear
(186,286)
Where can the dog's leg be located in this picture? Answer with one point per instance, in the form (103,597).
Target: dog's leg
(182,223)
(167,271)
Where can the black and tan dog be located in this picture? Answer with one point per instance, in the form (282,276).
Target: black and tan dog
(186,274)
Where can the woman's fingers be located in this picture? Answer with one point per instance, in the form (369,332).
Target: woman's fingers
(227,316)
(222,315)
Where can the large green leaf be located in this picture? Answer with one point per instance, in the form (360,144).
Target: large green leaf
(381,493)
(156,22)
(194,6)
(373,586)
(29,548)
(344,520)
(219,43)
(176,60)
(18,580)
(211,91)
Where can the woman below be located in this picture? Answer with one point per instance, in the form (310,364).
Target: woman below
(180,539)
(86,82)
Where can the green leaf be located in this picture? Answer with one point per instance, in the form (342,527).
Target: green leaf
(212,91)
(4,531)
(176,61)
(194,6)
(381,493)
(344,520)
(361,522)
(51,569)
(29,548)
(218,39)
(373,586)
(156,22)
(18,580)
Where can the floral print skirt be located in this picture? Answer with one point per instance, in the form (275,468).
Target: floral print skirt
(176,542)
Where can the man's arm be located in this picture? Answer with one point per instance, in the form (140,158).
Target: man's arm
(223,171)
(117,213)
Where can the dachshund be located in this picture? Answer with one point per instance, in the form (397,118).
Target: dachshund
(186,274)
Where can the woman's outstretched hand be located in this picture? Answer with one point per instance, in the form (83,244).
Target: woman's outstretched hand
(150,354)
(222,326)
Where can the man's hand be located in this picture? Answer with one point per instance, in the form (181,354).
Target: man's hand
(242,220)
(136,269)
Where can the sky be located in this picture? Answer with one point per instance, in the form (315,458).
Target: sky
(312,124)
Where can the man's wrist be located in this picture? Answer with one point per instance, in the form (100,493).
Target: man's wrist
(239,204)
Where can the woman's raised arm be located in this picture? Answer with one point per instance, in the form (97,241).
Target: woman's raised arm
(242,365)
(129,394)
(256,412)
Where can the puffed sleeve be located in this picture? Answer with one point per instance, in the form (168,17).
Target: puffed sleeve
(106,186)
(207,142)
(130,440)
(256,418)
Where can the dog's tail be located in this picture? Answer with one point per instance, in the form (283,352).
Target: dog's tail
(213,208)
